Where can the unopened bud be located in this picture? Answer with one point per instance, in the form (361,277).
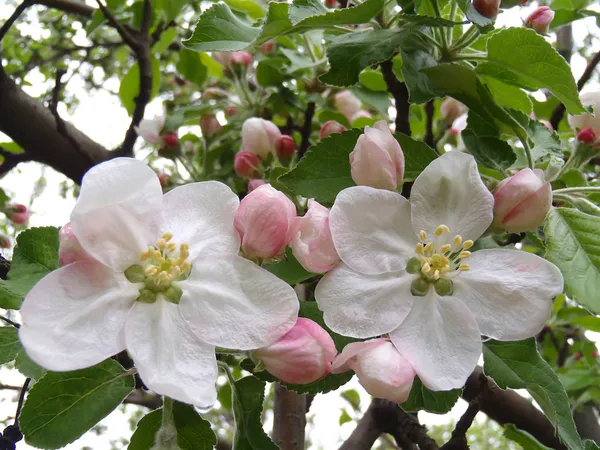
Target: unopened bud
(331,127)
(577,356)
(209,125)
(331,4)
(17,213)
(347,103)
(246,164)
(587,136)
(487,8)
(594,353)
(170,139)
(267,47)
(256,183)
(259,136)
(587,120)
(301,356)
(242,58)
(4,241)
(285,146)
(231,111)
(452,109)
(540,19)
(164,179)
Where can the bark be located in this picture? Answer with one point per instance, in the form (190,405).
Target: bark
(586,421)
(289,419)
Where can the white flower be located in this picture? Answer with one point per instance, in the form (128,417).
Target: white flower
(406,270)
(166,284)
(150,129)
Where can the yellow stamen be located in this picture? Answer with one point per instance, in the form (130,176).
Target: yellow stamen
(436,275)
(145,256)
(419,249)
(423,235)
(428,248)
(446,248)
(445,261)
(151,270)
(425,268)
(441,230)
(167,236)
(172,247)
(457,240)
(468,244)
(464,254)
(464,267)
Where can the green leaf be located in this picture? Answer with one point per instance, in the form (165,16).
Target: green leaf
(417,155)
(324,170)
(248,398)
(422,399)
(298,62)
(166,38)
(27,367)
(35,255)
(574,246)
(350,53)
(144,435)
(344,417)
(418,84)
(191,67)
(250,7)
(218,29)
(509,96)
(312,14)
(9,344)
(591,323)
(372,79)
(523,438)
(62,406)
(12,147)
(376,99)
(193,432)
(522,57)
(518,365)
(268,73)
(289,270)
(130,84)
(485,145)
(171,8)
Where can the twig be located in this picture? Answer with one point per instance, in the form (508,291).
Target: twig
(10,322)
(559,111)
(21,399)
(306,128)
(13,18)
(400,94)
(429,111)
(125,34)
(11,160)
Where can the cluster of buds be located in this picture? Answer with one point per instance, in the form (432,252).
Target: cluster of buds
(587,126)
(153,132)
(17,213)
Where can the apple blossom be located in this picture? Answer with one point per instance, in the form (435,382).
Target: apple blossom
(259,136)
(242,58)
(459,125)
(377,159)
(253,184)
(540,19)
(150,129)
(17,213)
(246,164)
(311,243)
(285,146)
(264,221)
(407,270)
(346,103)
(452,109)
(301,356)
(165,283)
(588,120)
(381,369)
(209,125)
(521,202)
(69,248)
(331,127)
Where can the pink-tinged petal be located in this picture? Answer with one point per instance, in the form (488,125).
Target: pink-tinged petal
(371,230)
(531,212)
(513,190)
(74,317)
(201,215)
(509,292)
(231,302)
(450,192)
(119,212)
(440,340)
(343,361)
(364,306)
(170,359)
(371,165)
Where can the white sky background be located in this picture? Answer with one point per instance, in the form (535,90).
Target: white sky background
(103,119)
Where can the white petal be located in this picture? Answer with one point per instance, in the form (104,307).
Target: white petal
(231,302)
(170,359)
(509,292)
(371,229)
(201,214)
(450,192)
(74,317)
(363,306)
(119,211)
(440,340)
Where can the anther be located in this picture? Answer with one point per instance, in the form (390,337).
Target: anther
(436,275)
(464,267)
(468,244)
(161,244)
(167,236)
(441,230)
(446,248)
(457,240)
(423,235)
(428,248)
(172,247)
(151,270)
(464,254)
(425,268)
(419,249)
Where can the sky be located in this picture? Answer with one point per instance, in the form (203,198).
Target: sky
(101,116)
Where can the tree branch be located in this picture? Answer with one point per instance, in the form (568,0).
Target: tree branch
(586,421)
(506,406)
(68,6)
(289,419)
(124,33)
(306,128)
(429,111)
(400,94)
(13,18)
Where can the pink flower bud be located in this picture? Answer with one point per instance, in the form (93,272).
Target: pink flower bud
(331,127)
(452,109)
(170,139)
(267,47)
(242,58)
(547,124)
(583,121)
(69,250)
(149,129)
(246,164)
(5,241)
(210,125)
(522,201)
(285,146)
(223,58)
(540,19)
(381,369)
(17,213)
(259,136)
(312,243)
(587,136)
(487,8)
(377,159)
(301,356)
(331,3)
(458,126)
(231,111)
(253,184)
(346,103)
(264,221)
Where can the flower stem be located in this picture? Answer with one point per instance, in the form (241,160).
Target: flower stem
(577,189)
(524,140)
(468,37)
(223,366)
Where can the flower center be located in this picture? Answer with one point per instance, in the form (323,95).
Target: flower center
(438,260)
(161,265)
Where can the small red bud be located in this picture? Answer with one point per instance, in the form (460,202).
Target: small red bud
(586,136)
(331,4)
(165,180)
(170,139)
(4,241)
(285,146)
(594,353)
(231,111)
(242,58)
(487,8)
(577,356)
(267,47)
(17,213)
(246,164)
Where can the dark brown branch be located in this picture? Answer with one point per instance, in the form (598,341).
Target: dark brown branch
(559,111)
(506,406)
(289,419)
(68,6)
(429,111)
(13,18)
(124,33)
(142,398)
(306,129)
(400,94)
(11,160)
(586,421)
(458,441)
(10,322)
